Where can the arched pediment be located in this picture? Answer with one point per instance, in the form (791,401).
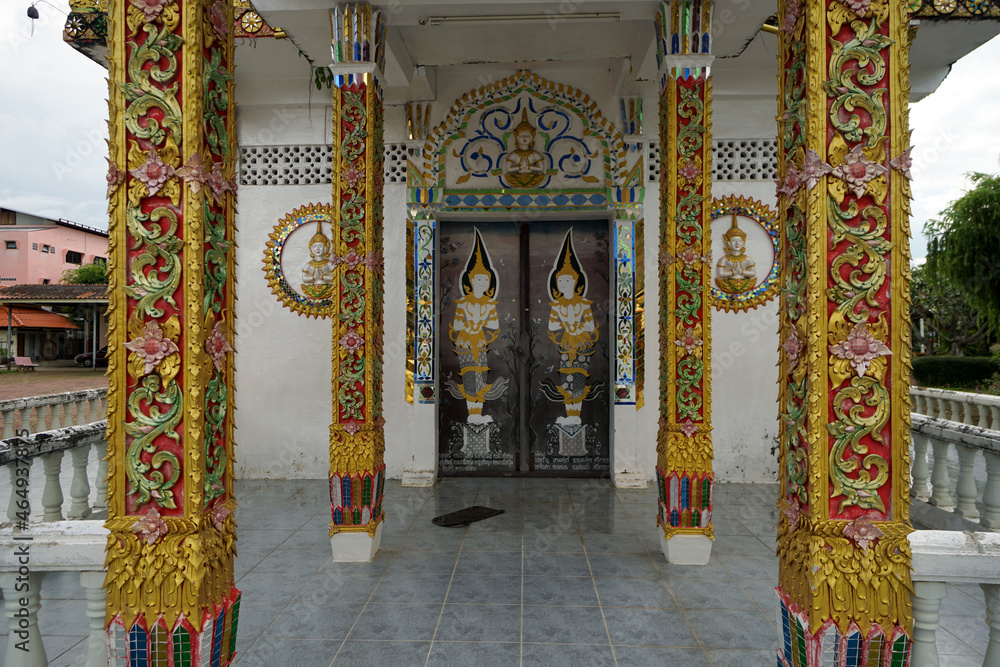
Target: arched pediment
(524,132)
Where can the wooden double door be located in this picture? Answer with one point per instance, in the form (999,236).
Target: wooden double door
(524,348)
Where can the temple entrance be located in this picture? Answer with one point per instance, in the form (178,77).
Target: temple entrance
(524,351)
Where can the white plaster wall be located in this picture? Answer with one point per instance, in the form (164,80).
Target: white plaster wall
(283,359)
(283,389)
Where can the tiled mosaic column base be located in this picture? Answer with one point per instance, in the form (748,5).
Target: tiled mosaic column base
(829,647)
(184,646)
(684,512)
(356,508)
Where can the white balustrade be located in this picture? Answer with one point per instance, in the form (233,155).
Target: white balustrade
(18,453)
(943,436)
(62,546)
(943,557)
(52,411)
(982,410)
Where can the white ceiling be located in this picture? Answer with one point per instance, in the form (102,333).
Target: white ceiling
(745,58)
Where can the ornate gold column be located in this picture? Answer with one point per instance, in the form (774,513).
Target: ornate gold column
(357,439)
(170,413)
(845,330)
(684,439)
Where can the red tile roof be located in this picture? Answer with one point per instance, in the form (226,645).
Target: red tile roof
(35,318)
(54,293)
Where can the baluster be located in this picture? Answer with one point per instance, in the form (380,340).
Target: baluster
(102,475)
(921,403)
(24,419)
(93,409)
(23,629)
(939,408)
(984,416)
(8,424)
(995,417)
(957,410)
(78,413)
(966,505)
(991,494)
(57,410)
(52,495)
(97,641)
(940,481)
(927,596)
(992,592)
(79,490)
(13,466)
(919,470)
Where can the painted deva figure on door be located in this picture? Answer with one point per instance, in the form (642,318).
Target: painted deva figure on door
(475,326)
(571,328)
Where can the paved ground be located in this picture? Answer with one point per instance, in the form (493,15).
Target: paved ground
(571,574)
(49,380)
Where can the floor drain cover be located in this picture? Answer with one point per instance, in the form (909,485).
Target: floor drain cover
(466,516)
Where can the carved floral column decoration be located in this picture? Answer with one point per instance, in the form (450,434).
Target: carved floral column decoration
(684,440)
(170,412)
(357,440)
(845,352)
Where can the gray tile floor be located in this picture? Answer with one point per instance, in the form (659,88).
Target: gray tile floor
(571,574)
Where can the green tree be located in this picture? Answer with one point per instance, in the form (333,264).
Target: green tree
(86,274)
(943,323)
(964,247)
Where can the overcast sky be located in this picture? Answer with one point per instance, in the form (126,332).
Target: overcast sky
(53,111)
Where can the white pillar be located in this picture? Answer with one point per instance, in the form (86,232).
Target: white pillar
(79,490)
(927,596)
(966,505)
(52,495)
(97,640)
(991,494)
(24,641)
(940,481)
(919,470)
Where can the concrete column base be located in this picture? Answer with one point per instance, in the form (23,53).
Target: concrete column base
(419,478)
(630,480)
(356,547)
(687,549)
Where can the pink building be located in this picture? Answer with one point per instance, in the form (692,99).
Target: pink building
(36,250)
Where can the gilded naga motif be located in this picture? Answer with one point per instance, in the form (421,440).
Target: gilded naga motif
(735,271)
(476,325)
(571,328)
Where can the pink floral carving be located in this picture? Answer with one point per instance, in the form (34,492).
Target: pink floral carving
(150,527)
(666,260)
(859,7)
(791,184)
(352,427)
(373,261)
(792,10)
(219,514)
(688,427)
(220,184)
(352,341)
(689,171)
(857,170)
(153,172)
(862,531)
(194,172)
(860,348)
(902,163)
(813,169)
(151,346)
(689,341)
(352,259)
(217,346)
(151,9)
(217,17)
(115,177)
(352,176)
(690,256)
(793,346)
(792,510)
